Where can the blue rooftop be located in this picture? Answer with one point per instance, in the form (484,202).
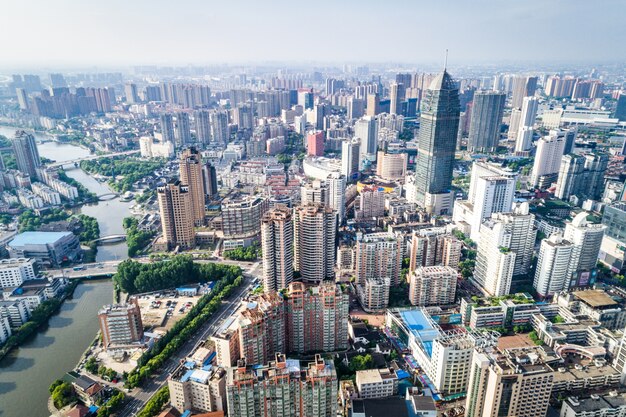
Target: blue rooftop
(421,327)
(37,238)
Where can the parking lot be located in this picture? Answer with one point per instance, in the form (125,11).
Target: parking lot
(159,312)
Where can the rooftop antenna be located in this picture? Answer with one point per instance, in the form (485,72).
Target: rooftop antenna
(445,65)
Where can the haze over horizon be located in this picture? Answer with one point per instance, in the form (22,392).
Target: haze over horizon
(72,33)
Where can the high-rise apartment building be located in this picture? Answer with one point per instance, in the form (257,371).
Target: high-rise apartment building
(277,246)
(378,255)
(177,217)
(336,184)
(191,176)
(396,97)
(26,153)
(555,266)
(433,285)
(120,324)
(220,134)
(620,108)
(485,121)
(350,154)
(183,129)
(581,176)
(131,93)
(283,388)
(315,143)
(209,180)
(587,240)
(523,86)
(547,159)
(439,124)
(371,203)
(514,382)
(241,217)
(167,128)
(315,228)
(434,246)
(202,389)
(492,189)
(203,126)
(526,123)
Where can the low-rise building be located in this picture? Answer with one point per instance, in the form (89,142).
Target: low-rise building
(13,272)
(611,405)
(5,329)
(16,311)
(376,383)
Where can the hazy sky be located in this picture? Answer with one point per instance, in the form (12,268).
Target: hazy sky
(123,32)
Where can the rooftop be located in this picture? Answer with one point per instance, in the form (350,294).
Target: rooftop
(37,238)
(595,298)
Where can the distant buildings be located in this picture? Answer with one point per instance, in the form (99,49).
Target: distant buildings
(581,176)
(315,143)
(350,154)
(439,123)
(391,166)
(120,325)
(177,217)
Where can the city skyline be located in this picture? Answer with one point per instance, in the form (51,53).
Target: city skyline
(112,34)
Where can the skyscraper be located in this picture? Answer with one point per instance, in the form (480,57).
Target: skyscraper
(26,153)
(176,215)
(439,124)
(587,240)
(396,96)
(191,175)
(547,159)
(523,86)
(167,128)
(203,126)
(555,265)
(315,227)
(183,129)
(525,127)
(130,91)
(277,246)
(350,153)
(620,108)
(219,127)
(336,184)
(209,180)
(581,176)
(120,324)
(365,130)
(485,121)
(378,255)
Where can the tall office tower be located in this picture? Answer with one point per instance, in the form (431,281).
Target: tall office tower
(581,176)
(547,160)
(391,166)
(555,266)
(365,130)
(26,153)
(277,246)
(57,80)
(620,107)
(373,104)
(130,91)
(315,228)
(436,144)
(433,285)
(587,240)
(176,215)
(315,143)
(183,129)
(241,217)
(397,93)
(492,189)
(120,324)
(219,127)
(167,128)
(282,388)
(371,203)
(336,184)
(525,129)
(485,121)
(512,382)
(203,126)
(191,175)
(350,153)
(209,181)
(522,87)
(356,108)
(378,255)
(22,98)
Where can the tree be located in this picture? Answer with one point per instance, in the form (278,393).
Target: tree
(361,362)
(63,394)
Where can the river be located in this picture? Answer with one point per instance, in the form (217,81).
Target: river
(27,372)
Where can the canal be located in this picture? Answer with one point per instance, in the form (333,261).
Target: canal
(27,372)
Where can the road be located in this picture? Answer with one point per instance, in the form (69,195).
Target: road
(139,396)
